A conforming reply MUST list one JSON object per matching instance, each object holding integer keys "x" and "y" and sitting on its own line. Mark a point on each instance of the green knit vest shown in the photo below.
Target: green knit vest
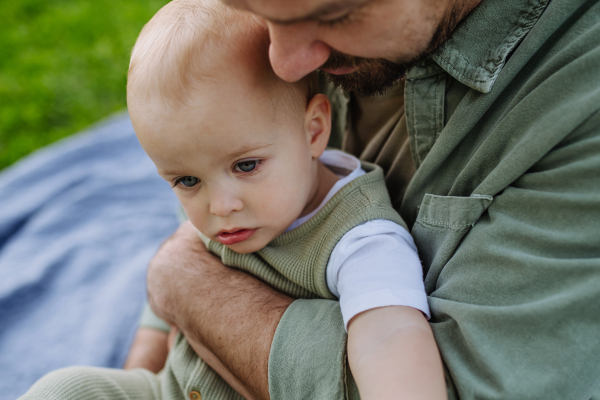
{"x": 293, "y": 263}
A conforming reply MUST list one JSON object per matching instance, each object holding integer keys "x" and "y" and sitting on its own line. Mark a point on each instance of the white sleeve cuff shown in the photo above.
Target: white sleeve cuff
{"x": 383, "y": 298}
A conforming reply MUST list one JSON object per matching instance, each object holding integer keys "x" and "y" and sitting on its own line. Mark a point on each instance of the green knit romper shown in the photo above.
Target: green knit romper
{"x": 293, "y": 263}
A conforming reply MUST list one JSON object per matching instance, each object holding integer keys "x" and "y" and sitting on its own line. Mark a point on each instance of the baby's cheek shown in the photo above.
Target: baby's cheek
{"x": 197, "y": 219}
{"x": 283, "y": 206}
{"x": 194, "y": 211}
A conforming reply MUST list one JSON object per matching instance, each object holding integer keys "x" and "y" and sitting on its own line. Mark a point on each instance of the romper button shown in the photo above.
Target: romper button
{"x": 195, "y": 395}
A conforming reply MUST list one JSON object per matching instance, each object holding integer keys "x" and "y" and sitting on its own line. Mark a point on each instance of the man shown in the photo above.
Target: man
{"x": 491, "y": 146}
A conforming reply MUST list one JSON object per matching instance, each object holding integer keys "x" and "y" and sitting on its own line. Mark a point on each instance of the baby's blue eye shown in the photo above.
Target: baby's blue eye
{"x": 188, "y": 181}
{"x": 246, "y": 166}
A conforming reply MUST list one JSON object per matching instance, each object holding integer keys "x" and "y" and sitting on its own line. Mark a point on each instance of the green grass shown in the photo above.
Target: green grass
{"x": 63, "y": 66}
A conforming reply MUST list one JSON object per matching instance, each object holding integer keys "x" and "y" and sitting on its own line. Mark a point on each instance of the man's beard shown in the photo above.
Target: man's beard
{"x": 373, "y": 76}
{"x": 376, "y": 75}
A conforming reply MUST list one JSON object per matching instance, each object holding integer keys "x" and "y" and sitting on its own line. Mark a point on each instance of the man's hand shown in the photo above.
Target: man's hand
{"x": 219, "y": 309}
{"x": 183, "y": 251}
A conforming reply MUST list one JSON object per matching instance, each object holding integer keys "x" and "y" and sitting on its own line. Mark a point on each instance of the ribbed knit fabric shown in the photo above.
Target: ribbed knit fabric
{"x": 185, "y": 372}
{"x": 91, "y": 383}
{"x": 294, "y": 263}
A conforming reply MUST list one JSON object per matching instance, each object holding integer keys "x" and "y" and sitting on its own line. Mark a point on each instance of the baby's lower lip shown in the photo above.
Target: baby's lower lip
{"x": 235, "y": 237}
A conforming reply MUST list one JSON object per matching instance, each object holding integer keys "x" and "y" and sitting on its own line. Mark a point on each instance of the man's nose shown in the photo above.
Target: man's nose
{"x": 295, "y": 51}
{"x": 223, "y": 203}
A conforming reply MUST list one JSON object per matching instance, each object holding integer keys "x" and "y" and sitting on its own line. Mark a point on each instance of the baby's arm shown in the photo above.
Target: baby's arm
{"x": 393, "y": 355}
{"x": 151, "y": 343}
{"x": 149, "y": 350}
{"x": 376, "y": 273}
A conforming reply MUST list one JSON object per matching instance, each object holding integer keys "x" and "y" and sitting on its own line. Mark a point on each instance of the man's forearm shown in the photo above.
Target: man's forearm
{"x": 229, "y": 312}
{"x": 217, "y": 365}
{"x": 239, "y": 327}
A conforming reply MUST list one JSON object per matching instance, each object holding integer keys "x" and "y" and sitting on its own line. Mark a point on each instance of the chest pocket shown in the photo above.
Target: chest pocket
{"x": 441, "y": 224}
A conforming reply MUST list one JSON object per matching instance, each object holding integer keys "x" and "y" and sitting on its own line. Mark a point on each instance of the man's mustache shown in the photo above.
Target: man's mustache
{"x": 340, "y": 60}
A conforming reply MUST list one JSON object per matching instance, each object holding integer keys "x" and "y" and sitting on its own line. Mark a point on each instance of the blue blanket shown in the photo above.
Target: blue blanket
{"x": 79, "y": 222}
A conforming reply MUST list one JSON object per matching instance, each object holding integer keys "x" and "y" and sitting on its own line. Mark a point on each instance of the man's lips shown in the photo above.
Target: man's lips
{"x": 233, "y": 236}
{"x": 339, "y": 71}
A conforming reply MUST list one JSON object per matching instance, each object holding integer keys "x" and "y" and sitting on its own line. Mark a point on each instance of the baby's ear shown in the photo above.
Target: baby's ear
{"x": 317, "y": 123}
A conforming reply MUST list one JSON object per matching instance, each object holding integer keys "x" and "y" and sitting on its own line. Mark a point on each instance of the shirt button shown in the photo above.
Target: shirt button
{"x": 195, "y": 395}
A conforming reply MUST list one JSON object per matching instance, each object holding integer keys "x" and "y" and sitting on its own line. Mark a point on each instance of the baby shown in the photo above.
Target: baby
{"x": 245, "y": 153}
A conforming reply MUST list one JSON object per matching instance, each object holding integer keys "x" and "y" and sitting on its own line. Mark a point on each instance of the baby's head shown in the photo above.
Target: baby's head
{"x": 238, "y": 144}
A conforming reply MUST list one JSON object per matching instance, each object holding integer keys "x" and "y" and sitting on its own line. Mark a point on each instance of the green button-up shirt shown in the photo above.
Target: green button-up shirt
{"x": 503, "y": 126}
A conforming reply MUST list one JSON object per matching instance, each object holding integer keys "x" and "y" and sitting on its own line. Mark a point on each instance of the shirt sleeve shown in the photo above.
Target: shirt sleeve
{"x": 376, "y": 265}
{"x": 308, "y": 354}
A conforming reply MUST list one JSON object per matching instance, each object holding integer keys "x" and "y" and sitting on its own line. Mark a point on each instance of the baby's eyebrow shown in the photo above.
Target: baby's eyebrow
{"x": 248, "y": 148}
{"x": 165, "y": 173}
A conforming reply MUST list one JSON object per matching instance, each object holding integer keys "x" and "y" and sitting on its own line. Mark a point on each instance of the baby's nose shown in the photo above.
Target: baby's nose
{"x": 223, "y": 204}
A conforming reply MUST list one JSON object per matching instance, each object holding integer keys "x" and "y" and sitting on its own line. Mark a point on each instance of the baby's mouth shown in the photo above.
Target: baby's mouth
{"x": 233, "y": 236}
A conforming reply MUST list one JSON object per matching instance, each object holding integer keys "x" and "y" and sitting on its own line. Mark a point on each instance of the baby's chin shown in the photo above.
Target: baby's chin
{"x": 250, "y": 245}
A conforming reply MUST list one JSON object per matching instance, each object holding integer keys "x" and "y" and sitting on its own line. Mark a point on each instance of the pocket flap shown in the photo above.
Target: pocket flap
{"x": 452, "y": 212}
{"x": 440, "y": 226}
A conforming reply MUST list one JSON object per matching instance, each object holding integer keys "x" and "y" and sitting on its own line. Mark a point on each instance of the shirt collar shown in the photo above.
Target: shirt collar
{"x": 344, "y": 165}
{"x": 479, "y": 47}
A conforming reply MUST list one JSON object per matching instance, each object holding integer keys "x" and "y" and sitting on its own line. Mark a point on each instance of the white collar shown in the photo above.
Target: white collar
{"x": 338, "y": 161}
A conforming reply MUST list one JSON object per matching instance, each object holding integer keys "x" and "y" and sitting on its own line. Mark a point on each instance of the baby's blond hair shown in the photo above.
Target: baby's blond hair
{"x": 184, "y": 42}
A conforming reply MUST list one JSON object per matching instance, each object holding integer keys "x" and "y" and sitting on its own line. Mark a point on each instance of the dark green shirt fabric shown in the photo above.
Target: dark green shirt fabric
{"x": 503, "y": 201}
